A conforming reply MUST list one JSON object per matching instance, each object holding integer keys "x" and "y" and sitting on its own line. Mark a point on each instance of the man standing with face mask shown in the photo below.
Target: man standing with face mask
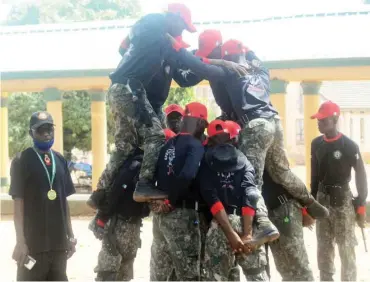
{"x": 40, "y": 185}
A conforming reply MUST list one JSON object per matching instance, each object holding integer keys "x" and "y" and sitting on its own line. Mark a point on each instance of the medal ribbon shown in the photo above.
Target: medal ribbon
{"x": 51, "y": 180}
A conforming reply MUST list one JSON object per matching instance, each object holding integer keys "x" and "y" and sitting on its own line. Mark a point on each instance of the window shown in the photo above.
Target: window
{"x": 299, "y": 129}
{"x": 300, "y": 103}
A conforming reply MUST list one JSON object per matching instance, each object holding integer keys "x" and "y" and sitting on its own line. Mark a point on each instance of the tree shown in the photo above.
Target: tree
{"x": 21, "y": 107}
{"x": 180, "y": 96}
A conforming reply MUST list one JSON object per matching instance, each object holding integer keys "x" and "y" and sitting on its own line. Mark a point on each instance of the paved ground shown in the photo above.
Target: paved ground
{"x": 80, "y": 266}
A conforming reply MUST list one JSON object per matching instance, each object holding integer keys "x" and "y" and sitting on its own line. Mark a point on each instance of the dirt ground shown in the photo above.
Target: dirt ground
{"x": 81, "y": 265}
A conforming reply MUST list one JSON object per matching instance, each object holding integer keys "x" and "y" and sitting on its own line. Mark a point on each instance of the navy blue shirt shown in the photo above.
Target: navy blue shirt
{"x": 148, "y": 50}
{"x": 178, "y": 165}
{"x": 231, "y": 188}
{"x": 248, "y": 95}
{"x": 45, "y": 222}
{"x": 157, "y": 89}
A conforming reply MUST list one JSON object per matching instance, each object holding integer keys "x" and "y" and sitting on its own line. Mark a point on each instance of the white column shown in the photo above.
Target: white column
{"x": 345, "y": 127}
{"x": 356, "y": 129}
{"x": 367, "y": 133}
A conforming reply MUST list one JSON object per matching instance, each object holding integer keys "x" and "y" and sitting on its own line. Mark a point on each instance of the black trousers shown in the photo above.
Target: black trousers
{"x": 50, "y": 266}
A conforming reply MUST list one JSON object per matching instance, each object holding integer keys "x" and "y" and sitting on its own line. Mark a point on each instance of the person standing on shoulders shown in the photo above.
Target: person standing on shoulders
{"x": 333, "y": 155}
{"x": 40, "y": 185}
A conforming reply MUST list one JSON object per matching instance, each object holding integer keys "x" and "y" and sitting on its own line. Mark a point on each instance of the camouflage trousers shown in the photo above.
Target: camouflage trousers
{"x": 131, "y": 132}
{"x": 176, "y": 246}
{"x": 262, "y": 141}
{"x": 222, "y": 265}
{"x": 289, "y": 251}
{"x": 338, "y": 228}
{"x": 119, "y": 267}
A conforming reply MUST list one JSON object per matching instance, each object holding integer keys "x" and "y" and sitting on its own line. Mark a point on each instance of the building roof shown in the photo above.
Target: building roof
{"x": 347, "y": 94}
{"x": 93, "y": 46}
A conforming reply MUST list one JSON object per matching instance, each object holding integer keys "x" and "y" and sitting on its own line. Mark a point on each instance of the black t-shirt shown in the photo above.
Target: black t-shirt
{"x": 45, "y": 223}
{"x": 332, "y": 162}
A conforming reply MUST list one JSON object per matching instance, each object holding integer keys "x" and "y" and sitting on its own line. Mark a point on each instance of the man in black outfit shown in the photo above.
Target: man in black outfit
{"x": 40, "y": 185}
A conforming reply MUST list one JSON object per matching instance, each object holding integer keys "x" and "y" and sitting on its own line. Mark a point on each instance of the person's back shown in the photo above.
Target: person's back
{"x": 121, "y": 236}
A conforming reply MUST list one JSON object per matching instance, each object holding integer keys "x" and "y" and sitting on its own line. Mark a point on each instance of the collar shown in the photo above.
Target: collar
{"x": 329, "y": 140}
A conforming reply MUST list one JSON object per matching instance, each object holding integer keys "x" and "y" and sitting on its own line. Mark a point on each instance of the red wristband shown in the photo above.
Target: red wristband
{"x": 248, "y": 211}
{"x": 100, "y": 223}
{"x": 167, "y": 202}
{"x": 205, "y": 60}
{"x": 216, "y": 208}
{"x": 361, "y": 210}
{"x": 304, "y": 211}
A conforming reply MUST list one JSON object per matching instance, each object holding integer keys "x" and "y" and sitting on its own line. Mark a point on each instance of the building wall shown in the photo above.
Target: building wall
{"x": 352, "y": 122}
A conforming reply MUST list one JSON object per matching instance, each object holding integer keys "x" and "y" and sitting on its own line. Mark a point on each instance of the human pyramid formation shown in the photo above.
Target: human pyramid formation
{"x": 204, "y": 191}
{"x": 220, "y": 191}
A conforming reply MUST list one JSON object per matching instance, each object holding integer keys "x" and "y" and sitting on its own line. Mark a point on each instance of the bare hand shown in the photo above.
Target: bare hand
{"x": 361, "y": 220}
{"x": 236, "y": 243}
{"x": 308, "y": 221}
{"x": 248, "y": 248}
{"x": 240, "y": 69}
{"x": 159, "y": 206}
{"x": 20, "y": 253}
{"x": 72, "y": 242}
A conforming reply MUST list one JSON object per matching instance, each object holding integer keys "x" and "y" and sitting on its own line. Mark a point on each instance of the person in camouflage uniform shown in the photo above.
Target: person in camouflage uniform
{"x": 233, "y": 203}
{"x": 118, "y": 223}
{"x": 333, "y": 155}
{"x": 289, "y": 251}
{"x": 176, "y": 247}
{"x": 137, "y": 114}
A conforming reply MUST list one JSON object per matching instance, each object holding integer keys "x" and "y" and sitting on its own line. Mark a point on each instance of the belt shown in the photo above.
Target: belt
{"x": 326, "y": 188}
{"x": 186, "y": 204}
{"x": 279, "y": 201}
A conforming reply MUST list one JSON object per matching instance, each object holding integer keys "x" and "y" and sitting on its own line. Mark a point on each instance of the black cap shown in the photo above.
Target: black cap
{"x": 40, "y": 118}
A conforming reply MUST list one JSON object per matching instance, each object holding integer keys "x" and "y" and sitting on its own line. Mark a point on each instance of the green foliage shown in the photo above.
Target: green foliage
{"x": 20, "y": 108}
{"x": 180, "y": 96}
{"x": 60, "y": 11}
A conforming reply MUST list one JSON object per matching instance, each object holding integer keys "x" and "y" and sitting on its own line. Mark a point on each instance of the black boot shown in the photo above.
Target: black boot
{"x": 145, "y": 192}
{"x": 264, "y": 230}
{"x": 316, "y": 210}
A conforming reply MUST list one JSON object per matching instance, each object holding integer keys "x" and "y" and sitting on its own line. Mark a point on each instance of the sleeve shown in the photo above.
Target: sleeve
{"x": 199, "y": 67}
{"x": 186, "y": 78}
{"x": 360, "y": 177}
{"x": 69, "y": 188}
{"x": 251, "y": 194}
{"x": 208, "y": 191}
{"x": 17, "y": 178}
{"x": 314, "y": 171}
{"x": 188, "y": 173}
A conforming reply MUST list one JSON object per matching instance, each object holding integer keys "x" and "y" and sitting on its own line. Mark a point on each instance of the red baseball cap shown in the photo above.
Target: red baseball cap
{"x": 197, "y": 110}
{"x": 184, "y": 13}
{"x": 233, "y": 47}
{"x": 168, "y": 133}
{"x": 233, "y": 128}
{"x": 208, "y": 40}
{"x": 217, "y": 126}
{"x": 173, "y": 108}
{"x": 327, "y": 109}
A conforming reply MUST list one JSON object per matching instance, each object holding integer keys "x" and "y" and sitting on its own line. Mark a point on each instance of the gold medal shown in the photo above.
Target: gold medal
{"x": 52, "y": 195}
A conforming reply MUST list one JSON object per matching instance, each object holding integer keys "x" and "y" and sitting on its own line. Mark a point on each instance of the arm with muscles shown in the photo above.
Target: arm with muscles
{"x": 209, "y": 194}
{"x": 17, "y": 192}
{"x": 69, "y": 190}
{"x": 194, "y": 156}
{"x": 314, "y": 171}
{"x": 250, "y": 197}
{"x": 361, "y": 185}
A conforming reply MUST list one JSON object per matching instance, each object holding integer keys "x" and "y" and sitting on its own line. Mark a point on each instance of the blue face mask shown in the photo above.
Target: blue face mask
{"x": 43, "y": 145}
